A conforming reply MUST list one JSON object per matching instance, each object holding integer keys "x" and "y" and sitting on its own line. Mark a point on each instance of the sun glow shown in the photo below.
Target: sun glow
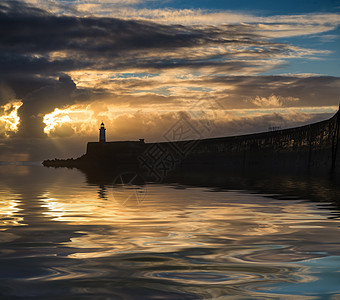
{"x": 56, "y": 118}
{"x": 75, "y": 119}
{"x": 10, "y": 119}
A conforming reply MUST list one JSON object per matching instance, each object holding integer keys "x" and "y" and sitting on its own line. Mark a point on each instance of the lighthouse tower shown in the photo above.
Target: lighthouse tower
{"x": 102, "y": 137}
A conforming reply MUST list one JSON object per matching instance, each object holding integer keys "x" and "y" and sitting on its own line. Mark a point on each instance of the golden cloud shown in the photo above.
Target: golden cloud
{"x": 9, "y": 119}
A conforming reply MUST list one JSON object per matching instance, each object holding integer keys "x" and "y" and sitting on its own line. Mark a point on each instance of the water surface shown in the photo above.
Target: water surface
{"x": 63, "y": 238}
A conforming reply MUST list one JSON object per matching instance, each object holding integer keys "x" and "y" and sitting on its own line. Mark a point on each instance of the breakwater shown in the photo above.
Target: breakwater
{"x": 309, "y": 148}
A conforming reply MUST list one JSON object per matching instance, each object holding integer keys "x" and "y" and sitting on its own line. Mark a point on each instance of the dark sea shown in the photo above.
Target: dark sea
{"x": 65, "y": 237}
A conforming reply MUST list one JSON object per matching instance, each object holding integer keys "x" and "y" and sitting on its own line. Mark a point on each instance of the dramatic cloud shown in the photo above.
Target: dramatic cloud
{"x": 271, "y": 26}
{"x": 43, "y": 101}
{"x": 68, "y": 65}
{"x": 34, "y": 42}
{"x": 9, "y": 119}
{"x": 164, "y": 92}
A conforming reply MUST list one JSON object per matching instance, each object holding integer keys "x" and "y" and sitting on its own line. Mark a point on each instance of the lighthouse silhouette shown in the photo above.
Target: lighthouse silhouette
{"x": 102, "y": 138}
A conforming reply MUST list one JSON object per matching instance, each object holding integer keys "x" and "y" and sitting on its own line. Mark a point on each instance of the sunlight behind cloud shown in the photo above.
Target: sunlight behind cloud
{"x": 69, "y": 121}
{"x": 9, "y": 120}
{"x": 55, "y": 118}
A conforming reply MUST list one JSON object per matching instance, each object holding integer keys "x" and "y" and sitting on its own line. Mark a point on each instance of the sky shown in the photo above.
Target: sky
{"x": 144, "y": 67}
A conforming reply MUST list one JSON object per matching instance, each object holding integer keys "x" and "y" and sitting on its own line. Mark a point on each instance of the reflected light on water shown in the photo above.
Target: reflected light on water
{"x": 165, "y": 221}
{"x": 9, "y": 209}
{"x": 55, "y": 209}
{"x": 61, "y": 236}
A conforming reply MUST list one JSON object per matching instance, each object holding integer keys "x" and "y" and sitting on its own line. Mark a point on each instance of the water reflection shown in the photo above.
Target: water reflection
{"x": 102, "y": 192}
{"x": 9, "y": 209}
{"x": 62, "y": 237}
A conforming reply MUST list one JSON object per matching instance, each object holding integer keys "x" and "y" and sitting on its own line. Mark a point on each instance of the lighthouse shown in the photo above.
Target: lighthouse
{"x": 102, "y": 138}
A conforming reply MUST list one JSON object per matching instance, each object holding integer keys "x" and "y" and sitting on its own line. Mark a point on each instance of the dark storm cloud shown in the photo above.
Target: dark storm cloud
{"x": 19, "y": 64}
{"x": 20, "y": 85}
{"x": 43, "y": 101}
{"x": 28, "y": 37}
{"x": 42, "y": 32}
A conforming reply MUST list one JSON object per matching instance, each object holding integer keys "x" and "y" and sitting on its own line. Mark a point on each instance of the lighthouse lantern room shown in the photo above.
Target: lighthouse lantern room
{"x": 102, "y": 130}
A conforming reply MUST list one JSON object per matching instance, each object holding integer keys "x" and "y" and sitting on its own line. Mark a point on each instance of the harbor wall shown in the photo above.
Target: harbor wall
{"x": 311, "y": 147}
